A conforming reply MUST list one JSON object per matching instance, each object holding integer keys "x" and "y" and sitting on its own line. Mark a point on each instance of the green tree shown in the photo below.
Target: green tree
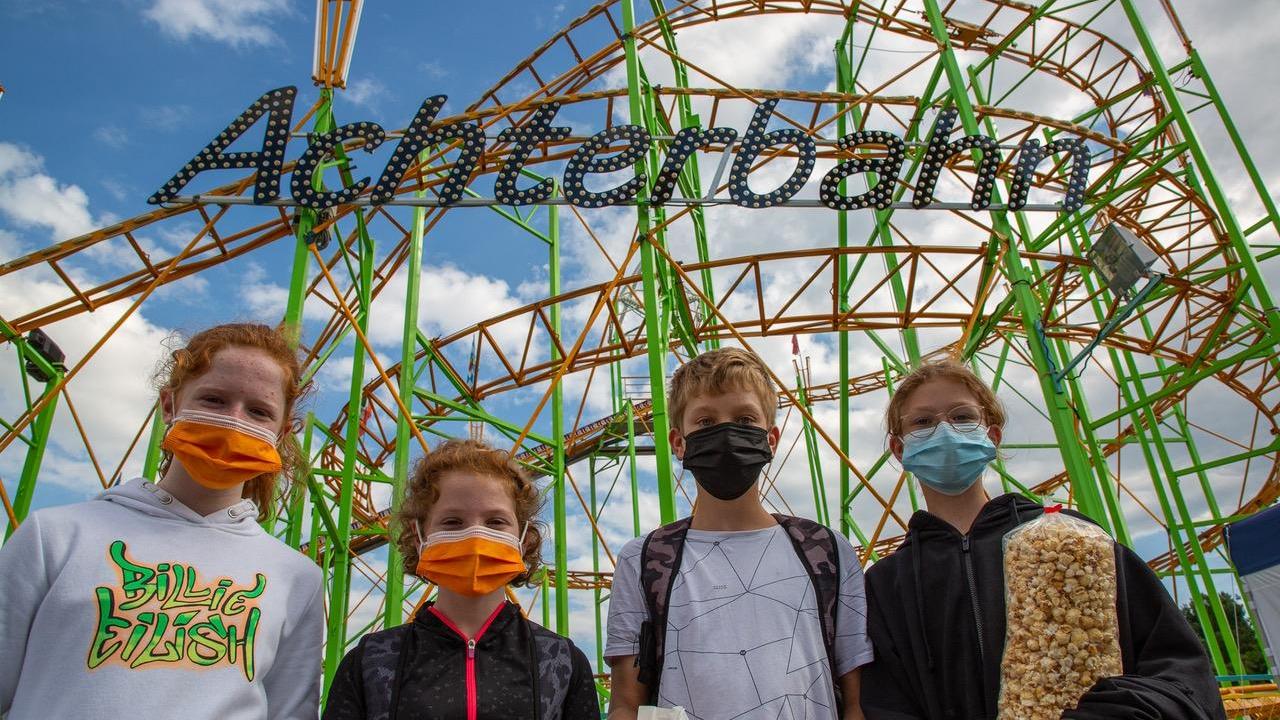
{"x": 1240, "y": 627}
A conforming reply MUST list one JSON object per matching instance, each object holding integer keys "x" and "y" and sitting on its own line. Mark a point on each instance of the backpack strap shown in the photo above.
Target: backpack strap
{"x": 659, "y": 566}
{"x": 815, "y": 545}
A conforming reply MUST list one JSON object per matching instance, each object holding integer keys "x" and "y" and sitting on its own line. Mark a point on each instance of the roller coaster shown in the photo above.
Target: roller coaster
{"x": 1152, "y": 410}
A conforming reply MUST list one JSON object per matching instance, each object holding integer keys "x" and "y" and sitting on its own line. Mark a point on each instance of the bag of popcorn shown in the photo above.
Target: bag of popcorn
{"x": 1060, "y": 615}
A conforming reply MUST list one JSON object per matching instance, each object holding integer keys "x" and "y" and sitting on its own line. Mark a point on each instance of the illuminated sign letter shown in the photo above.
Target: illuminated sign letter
{"x": 533, "y": 132}
{"x": 753, "y": 144}
{"x": 584, "y": 161}
{"x": 880, "y": 195}
{"x": 278, "y": 104}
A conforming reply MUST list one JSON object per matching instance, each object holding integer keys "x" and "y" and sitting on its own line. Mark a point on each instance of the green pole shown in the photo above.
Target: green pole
{"x": 656, "y": 351}
{"x": 1056, "y": 404}
{"x": 546, "y": 602}
{"x": 811, "y": 450}
{"x": 393, "y": 610}
{"x": 151, "y": 463}
{"x": 631, "y": 468}
{"x": 306, "y": 221}
{"x": 690, "y": 181}
{"x": 35, "y": 455}
{"x": 297, "y": 503}
{"x": 339, "y": 547}
{"x": 843, "y": 83}
{"x": 595, "y": 567}
{"x": 557, "y": 434}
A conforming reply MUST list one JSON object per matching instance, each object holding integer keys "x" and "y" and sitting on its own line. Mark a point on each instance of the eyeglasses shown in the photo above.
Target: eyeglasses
{"x": 964, "y": 418}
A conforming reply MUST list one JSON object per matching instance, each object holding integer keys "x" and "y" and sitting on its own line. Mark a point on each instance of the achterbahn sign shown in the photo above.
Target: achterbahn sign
{"x": 610, "y": 151}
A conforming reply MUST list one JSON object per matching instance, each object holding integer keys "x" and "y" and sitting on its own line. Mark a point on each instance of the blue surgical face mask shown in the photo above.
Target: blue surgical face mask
{"x": 949, "y": 461}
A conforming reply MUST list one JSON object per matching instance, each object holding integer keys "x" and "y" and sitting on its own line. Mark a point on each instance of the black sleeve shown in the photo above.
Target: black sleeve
{"x": 1167, "y": 674}
{"x": 582, "y": 702}
{"x": 883, "y": 691}
{"x": 346, "y": 693}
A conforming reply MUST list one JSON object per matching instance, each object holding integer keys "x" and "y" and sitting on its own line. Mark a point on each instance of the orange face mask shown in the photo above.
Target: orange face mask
{"x": 473, "y": 561}
{"x": 219, "y": 451}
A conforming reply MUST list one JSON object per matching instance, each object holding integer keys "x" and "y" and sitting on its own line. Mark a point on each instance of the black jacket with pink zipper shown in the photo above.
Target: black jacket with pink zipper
{"x": 428, "y": 670}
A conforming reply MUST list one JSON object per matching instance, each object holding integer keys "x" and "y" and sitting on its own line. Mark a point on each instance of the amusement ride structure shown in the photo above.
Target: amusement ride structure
{"x": 1134, "y": 338}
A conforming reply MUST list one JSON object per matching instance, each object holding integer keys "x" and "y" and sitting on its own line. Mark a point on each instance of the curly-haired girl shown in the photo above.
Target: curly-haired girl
{"x": 468, "y": 524}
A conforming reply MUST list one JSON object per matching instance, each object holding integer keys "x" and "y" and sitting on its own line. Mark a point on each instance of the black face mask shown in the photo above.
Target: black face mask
{"x": 726, "y": 459}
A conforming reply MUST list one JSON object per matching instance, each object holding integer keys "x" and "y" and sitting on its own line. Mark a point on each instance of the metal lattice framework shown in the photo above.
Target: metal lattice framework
{"x": 1169, "y": 428}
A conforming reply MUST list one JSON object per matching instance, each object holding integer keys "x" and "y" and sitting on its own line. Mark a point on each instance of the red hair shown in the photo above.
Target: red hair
{"x": 194, "y": 359}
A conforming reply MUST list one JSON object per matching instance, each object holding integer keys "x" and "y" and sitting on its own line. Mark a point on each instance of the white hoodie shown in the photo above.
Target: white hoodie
{"x": 132, "y": 605}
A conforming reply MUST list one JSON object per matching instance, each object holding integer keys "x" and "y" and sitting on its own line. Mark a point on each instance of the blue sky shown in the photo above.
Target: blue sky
{"x": 105, "y": 100}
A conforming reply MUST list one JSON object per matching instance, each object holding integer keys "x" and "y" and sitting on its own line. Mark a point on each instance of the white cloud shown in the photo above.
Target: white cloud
{"x": 746, "y": 53}
{"x": 367, "y": 92}
{"x": 112, "y": 136}
{"x": 10, "y": 245}
{"x": 264, "y": 299}
{"x": 32, "y": 199}
{"x": 117, "y": 189}
{"x": 238, "y": 23}
{"x": 433, "y": 69}
{"x": 165, "y": 118}
{"x": 450, "y": 299}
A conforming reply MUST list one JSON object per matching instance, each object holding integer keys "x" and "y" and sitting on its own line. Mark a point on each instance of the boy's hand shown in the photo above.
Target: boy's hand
{"x": 851, "y": 688}
{"x": 626, "y": 692}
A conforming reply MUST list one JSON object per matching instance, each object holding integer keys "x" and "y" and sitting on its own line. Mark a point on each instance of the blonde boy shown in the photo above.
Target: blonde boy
{"x": 735, "y": 613}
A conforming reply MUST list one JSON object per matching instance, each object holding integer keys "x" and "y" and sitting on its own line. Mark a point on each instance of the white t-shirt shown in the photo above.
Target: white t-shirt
{"x": 743, "y": 637}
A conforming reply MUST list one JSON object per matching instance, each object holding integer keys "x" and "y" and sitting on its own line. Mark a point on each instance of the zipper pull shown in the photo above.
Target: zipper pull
{"x": 964, "y": 543}
{"x": 471, "y": 649}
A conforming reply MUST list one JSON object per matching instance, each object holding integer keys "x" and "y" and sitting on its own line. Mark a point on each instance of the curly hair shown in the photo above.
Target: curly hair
{"x": 195, "y": 358}
{"x": 716, "y": 372}
{"x": 992, "y": 411}
{"x": 423, "y": 492}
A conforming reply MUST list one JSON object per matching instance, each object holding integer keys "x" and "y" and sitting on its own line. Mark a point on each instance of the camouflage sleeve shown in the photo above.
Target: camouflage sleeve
{"x": 346, "y": 694}
{"x": 853, "y": 647}
{"x": 626, "y": 604}
{"x": 582, "y": 702}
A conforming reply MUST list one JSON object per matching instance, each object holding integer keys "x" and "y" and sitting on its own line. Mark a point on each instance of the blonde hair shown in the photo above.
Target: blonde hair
{"x": 423, "y": 493}
{"x": 716, "y": 372}
{"x": 992, "y": 410}
{"x": 196, "y": 357}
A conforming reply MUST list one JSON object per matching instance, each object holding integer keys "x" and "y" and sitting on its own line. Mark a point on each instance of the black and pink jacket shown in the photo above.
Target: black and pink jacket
{"x": 513, "y": 669}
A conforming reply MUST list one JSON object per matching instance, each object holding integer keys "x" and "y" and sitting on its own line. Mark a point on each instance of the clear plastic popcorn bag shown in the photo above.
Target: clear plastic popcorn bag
{"x": 1060, "y": 615}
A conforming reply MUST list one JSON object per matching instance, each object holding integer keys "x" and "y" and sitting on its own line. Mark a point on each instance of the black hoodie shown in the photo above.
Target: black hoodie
{"x": 936, "y": 618}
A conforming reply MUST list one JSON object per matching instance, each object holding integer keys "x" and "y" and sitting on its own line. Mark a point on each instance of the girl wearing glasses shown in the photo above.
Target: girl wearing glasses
{"x": 936, "y": 605}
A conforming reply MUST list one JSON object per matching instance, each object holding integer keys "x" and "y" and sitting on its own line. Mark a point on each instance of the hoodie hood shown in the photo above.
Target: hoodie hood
{"x": 143, "y": 496}
{"x": 999, "y": 515}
